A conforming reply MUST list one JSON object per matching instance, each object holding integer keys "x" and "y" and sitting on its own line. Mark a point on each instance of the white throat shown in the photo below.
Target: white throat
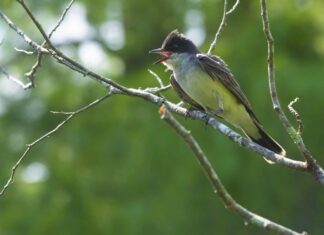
{"x": 179, "y": 63}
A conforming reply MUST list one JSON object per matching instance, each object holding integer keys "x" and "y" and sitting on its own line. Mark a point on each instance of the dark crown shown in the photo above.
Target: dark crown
{"x": 177, "y": 42}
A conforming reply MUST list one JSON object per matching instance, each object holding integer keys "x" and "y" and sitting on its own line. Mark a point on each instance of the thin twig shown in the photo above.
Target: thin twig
{"x": 57, "y": 54}
{"x": 24, "y": 51}
{"x": 233, "y": 7}
{"x": 32, "y": 73}
{"x": 45, "y": 136}
{"x": 15, "y": 80}
{"x": 22, "y": 34}
{"x": 220, "y": 28}
{"x": 162, "y": 87}
{"x": 84, "y": 108}
{"x": 222, "y": 24}
{"x": 216, "y": 183}
{"x": 156, "y": 90}
{"x": 38, "y": 25}
{"x": 67, "y": 8}
{"x": 158, "y": 79}
{"x": 311, "y": 162}
{"x": 296, "y": 115}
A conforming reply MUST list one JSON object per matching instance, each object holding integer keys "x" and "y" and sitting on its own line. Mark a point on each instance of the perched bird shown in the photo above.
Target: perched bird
{"x": 205, "y": 82}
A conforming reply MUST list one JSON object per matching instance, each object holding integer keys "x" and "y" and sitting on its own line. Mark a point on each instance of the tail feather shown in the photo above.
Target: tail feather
{"x": 266, "y": 141}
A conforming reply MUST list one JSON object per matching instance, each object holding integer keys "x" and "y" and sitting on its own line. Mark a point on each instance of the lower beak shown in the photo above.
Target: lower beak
{"x": 166, "y": 54}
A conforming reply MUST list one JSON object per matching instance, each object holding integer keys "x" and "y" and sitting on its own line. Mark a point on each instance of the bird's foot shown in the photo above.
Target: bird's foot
{"x": 217, "y": 112}
{"x": 220, "y": 108}
{"x": 190, "y": 109}
{"x": 205, "y": 118}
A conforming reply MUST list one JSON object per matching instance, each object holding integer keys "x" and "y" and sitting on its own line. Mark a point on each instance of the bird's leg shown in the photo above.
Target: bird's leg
{"x": 190, "y": 109}
{"x": 220, "y": 108}
{"x": 181, "y": 104}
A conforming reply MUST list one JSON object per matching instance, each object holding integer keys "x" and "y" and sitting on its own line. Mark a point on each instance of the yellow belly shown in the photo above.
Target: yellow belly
{"x": 204, "y": 90}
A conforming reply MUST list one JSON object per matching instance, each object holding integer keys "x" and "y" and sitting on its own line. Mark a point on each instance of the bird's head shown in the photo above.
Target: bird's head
{"x": 173, "y": 46}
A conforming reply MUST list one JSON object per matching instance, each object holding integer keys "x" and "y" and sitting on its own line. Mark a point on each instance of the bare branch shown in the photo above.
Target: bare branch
{"x": 222, "y": 24}
{"x": 45, "y": 136}
{"x": 15, "y": 80}
{"x": 31, "y": 74}
{"x": 22, "y": 34}
{"x": 157, "y": 90}
{"x": 62, "y": 59}
{"x": 312, "y": 165}
{"x": 233, "y": 7}
{"x": 216, "y": 183}
{"x": 242, "y": 141}
{"x": 158, "y": 79}
{"x": 84, "y": 108}
{"x": 38, "y": 25}
{"x": 24, "y": 51}
{"x": 296, "y": 115}
{"x": 61, "y": 18}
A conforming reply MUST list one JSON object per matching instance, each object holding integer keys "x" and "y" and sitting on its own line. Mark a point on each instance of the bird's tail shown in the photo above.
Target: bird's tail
{"x": 265, "y": 140}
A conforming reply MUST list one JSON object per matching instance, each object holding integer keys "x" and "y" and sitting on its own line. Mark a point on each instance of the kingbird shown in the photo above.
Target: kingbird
{"x": 205, "y": 82}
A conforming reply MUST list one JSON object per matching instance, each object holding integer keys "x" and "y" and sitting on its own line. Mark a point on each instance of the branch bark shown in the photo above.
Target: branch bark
{"x": 217, "y": 185}
{"x": 32, "y": 73}
{"x": 222, "y": 24}
{"x": 311, "y": 162}
{"x": 47, "y": 135}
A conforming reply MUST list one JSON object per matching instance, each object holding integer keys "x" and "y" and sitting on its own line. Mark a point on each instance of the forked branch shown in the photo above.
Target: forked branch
{"x": 217, "y": 185}
{"x": 312, "y": 164}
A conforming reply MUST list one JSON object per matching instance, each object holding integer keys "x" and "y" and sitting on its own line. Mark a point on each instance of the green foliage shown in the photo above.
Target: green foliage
{"x": 117, "y": 168}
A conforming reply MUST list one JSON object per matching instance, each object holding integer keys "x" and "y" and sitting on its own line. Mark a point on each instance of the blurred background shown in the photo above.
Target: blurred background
{"x": 117, "y": 168}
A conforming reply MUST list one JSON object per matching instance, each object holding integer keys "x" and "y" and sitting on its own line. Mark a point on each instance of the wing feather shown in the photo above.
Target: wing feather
{"x": 182, "y": 94}
{"x": 218, "y": 70}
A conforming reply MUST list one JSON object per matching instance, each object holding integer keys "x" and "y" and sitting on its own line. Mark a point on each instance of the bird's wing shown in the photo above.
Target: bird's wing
{"x": 182, "y": 94}
{"x": 217, "y": 69}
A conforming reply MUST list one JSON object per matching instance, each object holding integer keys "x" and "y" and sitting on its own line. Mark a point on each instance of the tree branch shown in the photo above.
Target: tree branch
{"x": 296, "y": 115}
{"x": 46, "y": 135}
{"x": 32, "y": 73}
{"x": 312, "y": 165}
{"x": 222, "y": 24}
{"x": 216, "y": 183}
{"x": 22, "y": 34}
{"x": 15, "y": 80}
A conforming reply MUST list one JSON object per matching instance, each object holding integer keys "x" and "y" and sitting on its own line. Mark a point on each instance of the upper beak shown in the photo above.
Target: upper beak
{"x": 161, "y": 51}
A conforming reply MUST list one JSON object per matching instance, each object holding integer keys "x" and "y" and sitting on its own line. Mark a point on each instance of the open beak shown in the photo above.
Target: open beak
{"x": 166, "y": 54}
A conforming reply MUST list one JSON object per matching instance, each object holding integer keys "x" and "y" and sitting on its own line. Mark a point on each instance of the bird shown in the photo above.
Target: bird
{"x": 205, "y": 82}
